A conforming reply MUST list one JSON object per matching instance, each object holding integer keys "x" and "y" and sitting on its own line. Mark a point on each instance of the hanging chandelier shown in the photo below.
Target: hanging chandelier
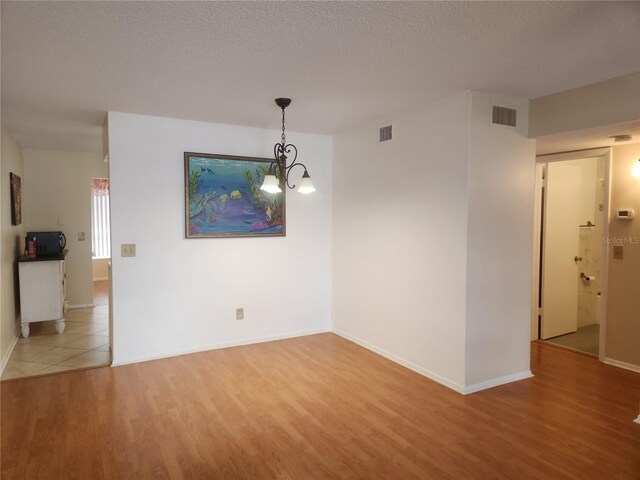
{"x": 278, "y": 175}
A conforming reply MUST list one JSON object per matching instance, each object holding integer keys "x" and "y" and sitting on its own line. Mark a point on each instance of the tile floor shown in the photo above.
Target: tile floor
{"x": 586, "y": 339}
{"x": 84, "y": 343}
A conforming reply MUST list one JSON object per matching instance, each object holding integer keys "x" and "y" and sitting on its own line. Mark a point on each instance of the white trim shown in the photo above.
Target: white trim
{"x": 537, "y": 230}
{"x": 7, "y": 355}
{"x": 574, "y": 155}
{"x": 405, "y": 363}
{"x": 100, "y": 279}
{"x": 394, "y": 358}
{"x": 604, "y": 257}
{"x": 619, "y": 364}
{"x": 606, "y": 154}
{"x": 216, "y": 346}
{"x": 494, "y": 382}
{"x": 86, "y": 305}
{"x": 637, "y": 420}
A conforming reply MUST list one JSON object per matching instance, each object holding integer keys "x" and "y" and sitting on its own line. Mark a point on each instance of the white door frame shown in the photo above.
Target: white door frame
{"x": 605, "y": 154}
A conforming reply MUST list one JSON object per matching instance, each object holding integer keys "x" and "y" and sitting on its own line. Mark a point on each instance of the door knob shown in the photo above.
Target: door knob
{"x": 577, "y": 259}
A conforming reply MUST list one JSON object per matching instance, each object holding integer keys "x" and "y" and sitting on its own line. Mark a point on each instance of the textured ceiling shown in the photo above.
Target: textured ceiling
{"x": 64, "y": 64}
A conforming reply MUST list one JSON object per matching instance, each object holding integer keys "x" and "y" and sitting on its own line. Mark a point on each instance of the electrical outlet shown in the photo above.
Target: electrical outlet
{"x": 128, "y": 250}
{"x": 239, "y": 313}
{"x": 81, "y": 236}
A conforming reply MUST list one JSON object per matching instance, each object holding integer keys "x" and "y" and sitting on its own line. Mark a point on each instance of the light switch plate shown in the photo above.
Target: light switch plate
{"x": 81, "y": 236}
{"x": 128, "y": 250}
{"x": 618, "y": 252}
{"x": 239, "y": 313}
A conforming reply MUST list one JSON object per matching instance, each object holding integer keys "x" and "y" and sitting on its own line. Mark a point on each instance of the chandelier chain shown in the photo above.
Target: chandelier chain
{"x": 282, "y": 153}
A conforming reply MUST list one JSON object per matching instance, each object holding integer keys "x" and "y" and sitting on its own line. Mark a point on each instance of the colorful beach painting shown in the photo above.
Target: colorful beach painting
{"x": 223, "y": 198}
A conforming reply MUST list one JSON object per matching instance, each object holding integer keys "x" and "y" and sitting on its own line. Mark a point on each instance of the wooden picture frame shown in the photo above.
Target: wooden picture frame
{"x": 223, "y": 198}
{"x": 16, "y": 199}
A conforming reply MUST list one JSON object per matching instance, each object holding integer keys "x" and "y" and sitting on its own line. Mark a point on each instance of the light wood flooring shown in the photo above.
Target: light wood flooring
{"x": 320, "y": 407}
{"x": 101, "y": 292}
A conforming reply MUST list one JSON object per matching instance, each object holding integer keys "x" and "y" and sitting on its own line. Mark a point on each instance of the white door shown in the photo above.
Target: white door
{"x": 560, "y": 270}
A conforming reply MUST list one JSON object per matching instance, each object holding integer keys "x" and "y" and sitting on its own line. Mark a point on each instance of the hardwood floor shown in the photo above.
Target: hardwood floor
{"x": 319, "y": 407}
{"x": 101, "y": 292}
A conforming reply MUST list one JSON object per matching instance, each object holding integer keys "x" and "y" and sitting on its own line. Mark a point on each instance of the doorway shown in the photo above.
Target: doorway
{"x": 572, "y": 219}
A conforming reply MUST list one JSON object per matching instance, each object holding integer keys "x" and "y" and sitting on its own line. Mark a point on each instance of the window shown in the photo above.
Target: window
{"x": 100, "y": 222}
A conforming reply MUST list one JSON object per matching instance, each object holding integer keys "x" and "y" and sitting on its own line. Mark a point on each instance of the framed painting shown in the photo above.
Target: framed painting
{"x": 223, "y": 198}
{"x": 16, "y": 199}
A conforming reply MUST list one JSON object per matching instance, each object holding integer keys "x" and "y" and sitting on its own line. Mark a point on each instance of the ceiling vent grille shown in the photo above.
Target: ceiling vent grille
{"x": 504, "y": 116}
{"x": 386, "y": 133}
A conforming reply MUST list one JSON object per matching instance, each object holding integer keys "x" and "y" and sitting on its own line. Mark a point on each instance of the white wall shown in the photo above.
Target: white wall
{"x": 622, "y": 346}
{"x": 612, "y": 101}
{"x": 433, "y": 241}
{"x": 57, "y": 197}
{"x": 500, "y": 242}
{"x": 400, "y": 238}
{"x": 180, "y": 295}
{"x": 12, "y": 244}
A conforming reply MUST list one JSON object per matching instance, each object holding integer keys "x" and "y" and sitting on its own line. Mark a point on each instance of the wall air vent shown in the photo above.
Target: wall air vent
{"x": 386, "y": 133}
{"x": 504, "y": 116}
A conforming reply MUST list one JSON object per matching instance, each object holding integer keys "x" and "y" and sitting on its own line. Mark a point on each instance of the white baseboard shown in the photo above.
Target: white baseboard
{"x": 100, "y": 279}
{"x": 626, "y": 366}
{"x": 394, "y": 358}
{"x": 405, "y": 363}
{"x": 8, "y": 353}
{"x": 86, "y": 305}
{"x": 215, "y": 346}
{"x": 494, "y": 382}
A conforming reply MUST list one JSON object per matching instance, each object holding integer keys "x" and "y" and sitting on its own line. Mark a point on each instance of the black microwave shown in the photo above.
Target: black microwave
{"x": 48, "y": 244}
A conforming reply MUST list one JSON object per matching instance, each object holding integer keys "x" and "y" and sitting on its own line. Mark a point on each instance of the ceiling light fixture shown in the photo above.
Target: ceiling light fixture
{"x": 278, "y": 175}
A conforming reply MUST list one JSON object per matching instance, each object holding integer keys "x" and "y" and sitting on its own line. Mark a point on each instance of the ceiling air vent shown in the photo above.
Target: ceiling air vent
{"x": 386, "y": 133}
{"x": 504, "y": 116}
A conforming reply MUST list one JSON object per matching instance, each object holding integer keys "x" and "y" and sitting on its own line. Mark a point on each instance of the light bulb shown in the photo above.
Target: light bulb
{"x": 270, "y": 184}
{"x": 305, "y": 184}
{"x": 635, "y": 171}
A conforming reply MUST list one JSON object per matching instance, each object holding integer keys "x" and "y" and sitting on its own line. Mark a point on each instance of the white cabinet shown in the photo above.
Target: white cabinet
{"x": 42, "y": 292}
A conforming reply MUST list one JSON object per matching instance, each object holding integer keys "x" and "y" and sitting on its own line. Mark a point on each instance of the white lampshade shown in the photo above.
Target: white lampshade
{"x": 305, "y": 184}
{"x": 270, "y": 184}
{"x": 635, "y": 171}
